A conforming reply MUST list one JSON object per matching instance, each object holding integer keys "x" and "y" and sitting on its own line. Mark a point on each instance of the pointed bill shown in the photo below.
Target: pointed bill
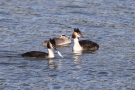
{"x": 59, "y": 53}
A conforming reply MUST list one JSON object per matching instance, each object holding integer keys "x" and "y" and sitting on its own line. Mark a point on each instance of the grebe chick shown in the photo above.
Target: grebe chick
{"x": 83, "y": 44}
{"x": 61, "y": 40}
{"x": 39, "y": 54}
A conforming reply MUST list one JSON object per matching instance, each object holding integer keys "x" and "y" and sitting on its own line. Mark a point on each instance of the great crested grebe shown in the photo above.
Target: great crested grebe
{"x": 61, "y": 40}
{"x": 83, "y": 44}
{"x": 39, "y": 54}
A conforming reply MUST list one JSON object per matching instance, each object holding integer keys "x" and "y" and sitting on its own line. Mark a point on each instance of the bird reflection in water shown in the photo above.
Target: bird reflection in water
{"x": 77, "y": 52}
{"x": 76, "y": 56}
{"x": 51, "y": 64}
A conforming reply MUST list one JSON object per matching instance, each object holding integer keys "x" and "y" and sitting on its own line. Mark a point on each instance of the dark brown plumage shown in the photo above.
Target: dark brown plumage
{"x": 88, "y": 45}
{"x": 37, "y": 54}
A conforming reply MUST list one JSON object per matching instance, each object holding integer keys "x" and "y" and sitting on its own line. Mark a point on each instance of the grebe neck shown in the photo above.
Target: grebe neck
{"x": 77, "y": 46}
{"x": 50, "y": 53}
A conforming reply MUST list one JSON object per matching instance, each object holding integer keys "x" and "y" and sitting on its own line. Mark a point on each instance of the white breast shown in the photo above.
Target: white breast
{"x": 77, "y": 46}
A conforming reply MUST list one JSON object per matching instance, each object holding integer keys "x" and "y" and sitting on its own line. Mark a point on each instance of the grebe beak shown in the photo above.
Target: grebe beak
{"x": 82, "y": 36}
{"x": 59, "y": 54}
{"x": 56, "y": 50}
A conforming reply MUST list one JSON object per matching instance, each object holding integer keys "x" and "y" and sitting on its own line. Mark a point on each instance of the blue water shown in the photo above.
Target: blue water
{"x": 25, "y": 24}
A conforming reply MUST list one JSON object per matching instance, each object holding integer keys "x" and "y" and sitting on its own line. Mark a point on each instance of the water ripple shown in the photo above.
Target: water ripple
{"x": 26, "y": 24}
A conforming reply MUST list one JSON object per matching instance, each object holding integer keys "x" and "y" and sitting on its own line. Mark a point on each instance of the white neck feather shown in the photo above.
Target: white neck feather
{"x": 77, "y": 46}
{"x": 50, "y": 53}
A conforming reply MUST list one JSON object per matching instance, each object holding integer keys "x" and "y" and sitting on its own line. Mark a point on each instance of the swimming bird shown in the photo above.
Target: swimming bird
{"x": 83, "y": 44}
{"x": 39, "y": 54}
{"x": 61, "y": 40}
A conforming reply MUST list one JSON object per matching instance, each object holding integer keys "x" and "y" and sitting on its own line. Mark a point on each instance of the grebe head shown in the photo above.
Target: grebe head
{"x": 77, "y": 33}
{"x": 51, "y": 45}
{"x": 64, "y": 37}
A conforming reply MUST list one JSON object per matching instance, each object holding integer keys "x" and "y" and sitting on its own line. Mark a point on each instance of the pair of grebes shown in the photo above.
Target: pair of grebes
{"x": 62, "y": 40}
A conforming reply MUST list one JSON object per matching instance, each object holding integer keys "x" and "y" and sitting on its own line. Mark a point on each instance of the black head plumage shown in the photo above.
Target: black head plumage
{"x": 77, "y": 30}
{"x": 52, "y": 41}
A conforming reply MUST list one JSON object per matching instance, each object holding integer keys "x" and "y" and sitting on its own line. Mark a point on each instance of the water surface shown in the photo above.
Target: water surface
{"x": 25, "y": 24}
